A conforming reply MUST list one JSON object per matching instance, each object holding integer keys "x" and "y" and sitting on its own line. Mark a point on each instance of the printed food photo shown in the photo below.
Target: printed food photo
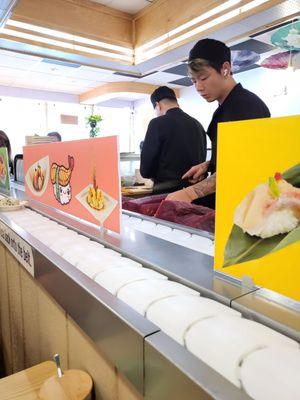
{"x": 267, "y": 219}
{"x": 37, "y": 176}
{"x": 96, "y": 201}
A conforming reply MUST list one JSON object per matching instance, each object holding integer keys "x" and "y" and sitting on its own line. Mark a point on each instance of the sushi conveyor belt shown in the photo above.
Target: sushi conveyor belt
{"x": 259, "y": 362}
{"x": 182, "y": 236}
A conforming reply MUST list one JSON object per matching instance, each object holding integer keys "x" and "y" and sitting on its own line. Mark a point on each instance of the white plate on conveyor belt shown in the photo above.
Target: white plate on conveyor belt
{"x": 46, "y": 235}
{"x": 114, "y": 279}
{"x": 50, "y": 237}
{"x": 140, "y": 295}
{"x": 41, "y": 228}
{"x": 272, "y": 374}
{"x": 65, "y": 243}
{"x": 112, "y": 253}
{"x": 23, "y": 215}
{"x": 77, "y": 253}
{"x": 223, "y": 342}
{"x": 29, "y": 225}
{"x": 185, "y": 310}
{"x": 92, "y": 266}
{"x": 96, "y": 245}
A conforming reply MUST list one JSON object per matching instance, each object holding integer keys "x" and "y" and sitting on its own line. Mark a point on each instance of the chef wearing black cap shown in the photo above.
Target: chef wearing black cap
{"x": 174, "y": 142}
{"x": 210, "y": 70}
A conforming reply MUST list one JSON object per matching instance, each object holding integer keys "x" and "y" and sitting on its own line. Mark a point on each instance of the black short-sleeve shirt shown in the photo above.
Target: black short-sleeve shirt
{"x": 240, "y": 104}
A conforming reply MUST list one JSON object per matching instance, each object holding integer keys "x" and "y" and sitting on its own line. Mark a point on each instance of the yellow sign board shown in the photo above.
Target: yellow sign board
{"x": 258, "y": 202}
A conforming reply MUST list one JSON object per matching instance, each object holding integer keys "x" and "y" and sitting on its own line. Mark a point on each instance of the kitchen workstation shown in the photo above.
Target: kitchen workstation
{"x": 150, "y": 242}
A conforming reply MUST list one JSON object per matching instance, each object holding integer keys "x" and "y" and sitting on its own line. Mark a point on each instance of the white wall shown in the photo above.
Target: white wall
{"x": 28, "y": 112}
{"x": 20, "y": 118}
{"x": 143, "y": 113}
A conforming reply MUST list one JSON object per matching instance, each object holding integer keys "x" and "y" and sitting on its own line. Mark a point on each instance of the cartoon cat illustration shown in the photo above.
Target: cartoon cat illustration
{"x": 60, "y": 178}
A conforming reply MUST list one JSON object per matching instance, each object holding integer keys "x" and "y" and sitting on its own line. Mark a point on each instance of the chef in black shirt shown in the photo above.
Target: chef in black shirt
{"x": 174, "y": 142}
{"x": 210, "y": 70}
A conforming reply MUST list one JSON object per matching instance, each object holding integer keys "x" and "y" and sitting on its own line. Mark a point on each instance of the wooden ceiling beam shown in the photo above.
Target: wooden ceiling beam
{"x": 165, "y": 15}
{"x": 94, "y": 96}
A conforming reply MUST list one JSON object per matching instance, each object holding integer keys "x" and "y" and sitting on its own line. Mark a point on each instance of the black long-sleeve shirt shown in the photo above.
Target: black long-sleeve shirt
{"x": 239, "y": 105}
{"x": 174, "y": 143}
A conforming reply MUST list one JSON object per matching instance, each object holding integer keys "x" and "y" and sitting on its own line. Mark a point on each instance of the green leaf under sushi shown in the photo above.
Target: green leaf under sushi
{"x": 242, "y": 247}
{"x": 292, "y": 175}
{"x": 289, "y": 238}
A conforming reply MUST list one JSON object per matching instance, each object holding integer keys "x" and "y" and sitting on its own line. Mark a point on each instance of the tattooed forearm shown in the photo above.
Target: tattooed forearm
{"x": 205, "y": 187}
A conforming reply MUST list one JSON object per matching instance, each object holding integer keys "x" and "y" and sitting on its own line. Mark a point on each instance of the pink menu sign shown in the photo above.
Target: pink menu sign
{"x": 80, "y": 177}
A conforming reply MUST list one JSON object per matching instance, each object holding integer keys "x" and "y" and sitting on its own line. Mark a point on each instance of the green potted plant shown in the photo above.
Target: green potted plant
{"x": 92, "y": 122}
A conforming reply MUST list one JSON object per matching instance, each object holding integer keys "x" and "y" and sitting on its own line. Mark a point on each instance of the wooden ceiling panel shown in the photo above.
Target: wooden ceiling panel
{"x": 79, "y": 17}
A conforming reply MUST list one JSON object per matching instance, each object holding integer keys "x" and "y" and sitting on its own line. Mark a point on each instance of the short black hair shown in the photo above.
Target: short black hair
{"x": 209, "y": 52}
{"x": 56, "y": 135}
{"x": 162, "y": 93}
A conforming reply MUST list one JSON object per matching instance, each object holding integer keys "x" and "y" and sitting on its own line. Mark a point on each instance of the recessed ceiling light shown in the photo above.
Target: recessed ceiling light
{"x": 65, "y": 45}
{"x": 68, "y": 36}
